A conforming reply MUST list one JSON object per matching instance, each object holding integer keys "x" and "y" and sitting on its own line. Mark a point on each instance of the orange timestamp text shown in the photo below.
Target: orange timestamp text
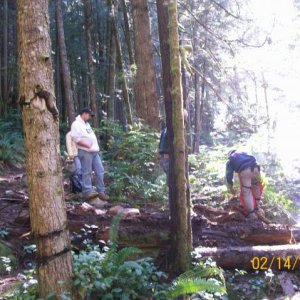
{"x": 263, "y": 263}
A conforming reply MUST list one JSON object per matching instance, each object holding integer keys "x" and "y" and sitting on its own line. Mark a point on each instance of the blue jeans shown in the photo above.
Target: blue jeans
{"x": 90, "y": 161}
{"x": 77, "y": 165}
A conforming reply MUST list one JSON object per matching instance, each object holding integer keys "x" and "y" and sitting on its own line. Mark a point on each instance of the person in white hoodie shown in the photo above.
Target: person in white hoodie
{"x": 88, "y": 153}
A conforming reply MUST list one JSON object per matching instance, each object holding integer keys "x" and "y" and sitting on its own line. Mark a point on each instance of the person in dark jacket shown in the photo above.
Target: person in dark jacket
{"x": 163, "y": 150}
{"x": 249, "y": 176}
{"x": 163, "y": 147}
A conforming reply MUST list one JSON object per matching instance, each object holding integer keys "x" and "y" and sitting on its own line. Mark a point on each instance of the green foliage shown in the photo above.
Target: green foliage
{"x": 27, "y": 289}
{"x": 279, "y": 207}
{"x": 30, "y": 249}
{"x": 133, "y": 168}
{"x": 112, "y": 275}
{"x": 204, "y": 281}
{"x": 3, "y": 232}
{"x": 207, "y": 171}
{"x": 7, "y": 259}
{"x": 11, "y": 139}
{"x": 258, "y": 285}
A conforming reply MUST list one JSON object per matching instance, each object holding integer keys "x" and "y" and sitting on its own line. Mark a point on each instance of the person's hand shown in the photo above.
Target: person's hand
{"x": 86, "y": 143}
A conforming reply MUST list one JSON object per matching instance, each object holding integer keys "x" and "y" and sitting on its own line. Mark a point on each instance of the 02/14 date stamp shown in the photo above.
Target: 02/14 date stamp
{"x": 263, "y": 263}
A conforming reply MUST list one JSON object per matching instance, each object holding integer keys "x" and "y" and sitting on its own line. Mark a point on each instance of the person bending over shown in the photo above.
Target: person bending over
{"x": 249, "y": 176}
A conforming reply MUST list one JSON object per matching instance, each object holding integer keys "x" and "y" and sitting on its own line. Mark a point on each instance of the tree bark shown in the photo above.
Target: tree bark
{"x": 66, "y": 77}
{"x": 145, "y": 90}
{"x": 112, "y": 61}
{"x": 1, "y": 96}
{"x": 200, "y": 114}
{"x": 91, "y": 75}
{"x": 122, "y": 78}
{"x": 163, "y": 21}
{"x": 57, "y": 78}
{"x": 5, "y": 56}
{"x": 41, "y": 131}
{"x": 182, "y": 236}
{"x": 127, "y": 32}
{"x": 171, "y": 71}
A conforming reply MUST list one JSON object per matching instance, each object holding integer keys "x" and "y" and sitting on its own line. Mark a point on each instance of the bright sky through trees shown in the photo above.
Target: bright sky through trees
{"x": 279, "y": 61}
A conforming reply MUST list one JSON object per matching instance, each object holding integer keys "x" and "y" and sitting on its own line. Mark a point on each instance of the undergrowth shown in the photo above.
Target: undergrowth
{"x": 106, "y": 272}
{"x": 133, "y": 168}
{"x": 11, "y": 140}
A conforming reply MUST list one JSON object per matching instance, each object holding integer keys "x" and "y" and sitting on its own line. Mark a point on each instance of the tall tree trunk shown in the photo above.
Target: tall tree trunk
{"x": 256, "y": 103}
{"x": 265, "y": 87}
{"x": 163, "y": 17}
{"x": 127, "y": 32}
{"x": 112, "y": 62}
{"x": 58, "y": 77}
{"x": 5, "y": 56}
{"x": 1, "y": 96}
{"x": 66, "y": 77}
{"x": 13, "y": 86}
{"x": 91, "y": 75}
{"x": 171, "y": 70}
{"x": 186, "y": 106}
{"x": 197, "y": 114}
{"x": 121, "y": 76}
{"x": 182, "y": 237}
{"x": 41, "y": 131}
{"x": 145, "y": 91}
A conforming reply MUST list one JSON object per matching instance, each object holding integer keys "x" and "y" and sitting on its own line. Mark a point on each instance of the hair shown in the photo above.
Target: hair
{"x": 231, "y": 152}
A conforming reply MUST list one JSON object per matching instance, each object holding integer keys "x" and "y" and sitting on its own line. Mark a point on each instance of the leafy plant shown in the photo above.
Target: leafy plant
{"x": 11, "y": 139}
{"x": 27, "y": 289}
{"x": 30, "y": 249}
{"x": 204, "y": 281}
{"x": 4, "y": 232}
{"x": 133, "y": 168}
{"x": 112, "y": 275}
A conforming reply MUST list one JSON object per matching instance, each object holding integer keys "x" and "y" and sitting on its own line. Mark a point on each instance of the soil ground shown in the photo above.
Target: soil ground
{"x": 147, "y": 230}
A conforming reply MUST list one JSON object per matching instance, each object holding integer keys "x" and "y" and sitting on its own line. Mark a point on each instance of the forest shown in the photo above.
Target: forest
{"x": 148, "y": 149}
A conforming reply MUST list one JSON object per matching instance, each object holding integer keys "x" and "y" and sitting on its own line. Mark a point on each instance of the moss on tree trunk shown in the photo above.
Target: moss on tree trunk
{"x": 47, "y": 207}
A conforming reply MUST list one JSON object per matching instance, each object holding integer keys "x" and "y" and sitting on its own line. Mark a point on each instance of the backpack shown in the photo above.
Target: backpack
{"x": 75, "y": 184}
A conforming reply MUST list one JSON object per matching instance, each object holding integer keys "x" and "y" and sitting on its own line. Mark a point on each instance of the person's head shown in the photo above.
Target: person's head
{"x": 231, "y": 152}
{"x": 86, "y": 113}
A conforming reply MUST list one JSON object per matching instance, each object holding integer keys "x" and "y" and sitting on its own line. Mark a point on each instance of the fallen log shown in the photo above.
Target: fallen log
{"x": 269, "y": 236}
{"x": 256, "y": 258}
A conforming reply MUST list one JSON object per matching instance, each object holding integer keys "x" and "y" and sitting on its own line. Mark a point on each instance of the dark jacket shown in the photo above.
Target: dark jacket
{"x": 238, "y": 162}
{"x": 163, "y": 147}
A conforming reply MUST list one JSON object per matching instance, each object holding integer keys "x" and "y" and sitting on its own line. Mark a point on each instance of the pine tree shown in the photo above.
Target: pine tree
{"x": 41, "y": 131}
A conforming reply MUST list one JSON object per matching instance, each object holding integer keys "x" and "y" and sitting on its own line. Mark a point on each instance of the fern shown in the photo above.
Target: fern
{"x": 204, "y": 277}
{"x": 184, "y": 286}
{"x": 203, "y": 271}
{"x": 126, "y": 253}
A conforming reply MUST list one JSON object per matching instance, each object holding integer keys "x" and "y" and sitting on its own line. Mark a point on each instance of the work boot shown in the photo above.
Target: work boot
{"x": 90, "y": 195}
{"x": 103, "y": 196}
